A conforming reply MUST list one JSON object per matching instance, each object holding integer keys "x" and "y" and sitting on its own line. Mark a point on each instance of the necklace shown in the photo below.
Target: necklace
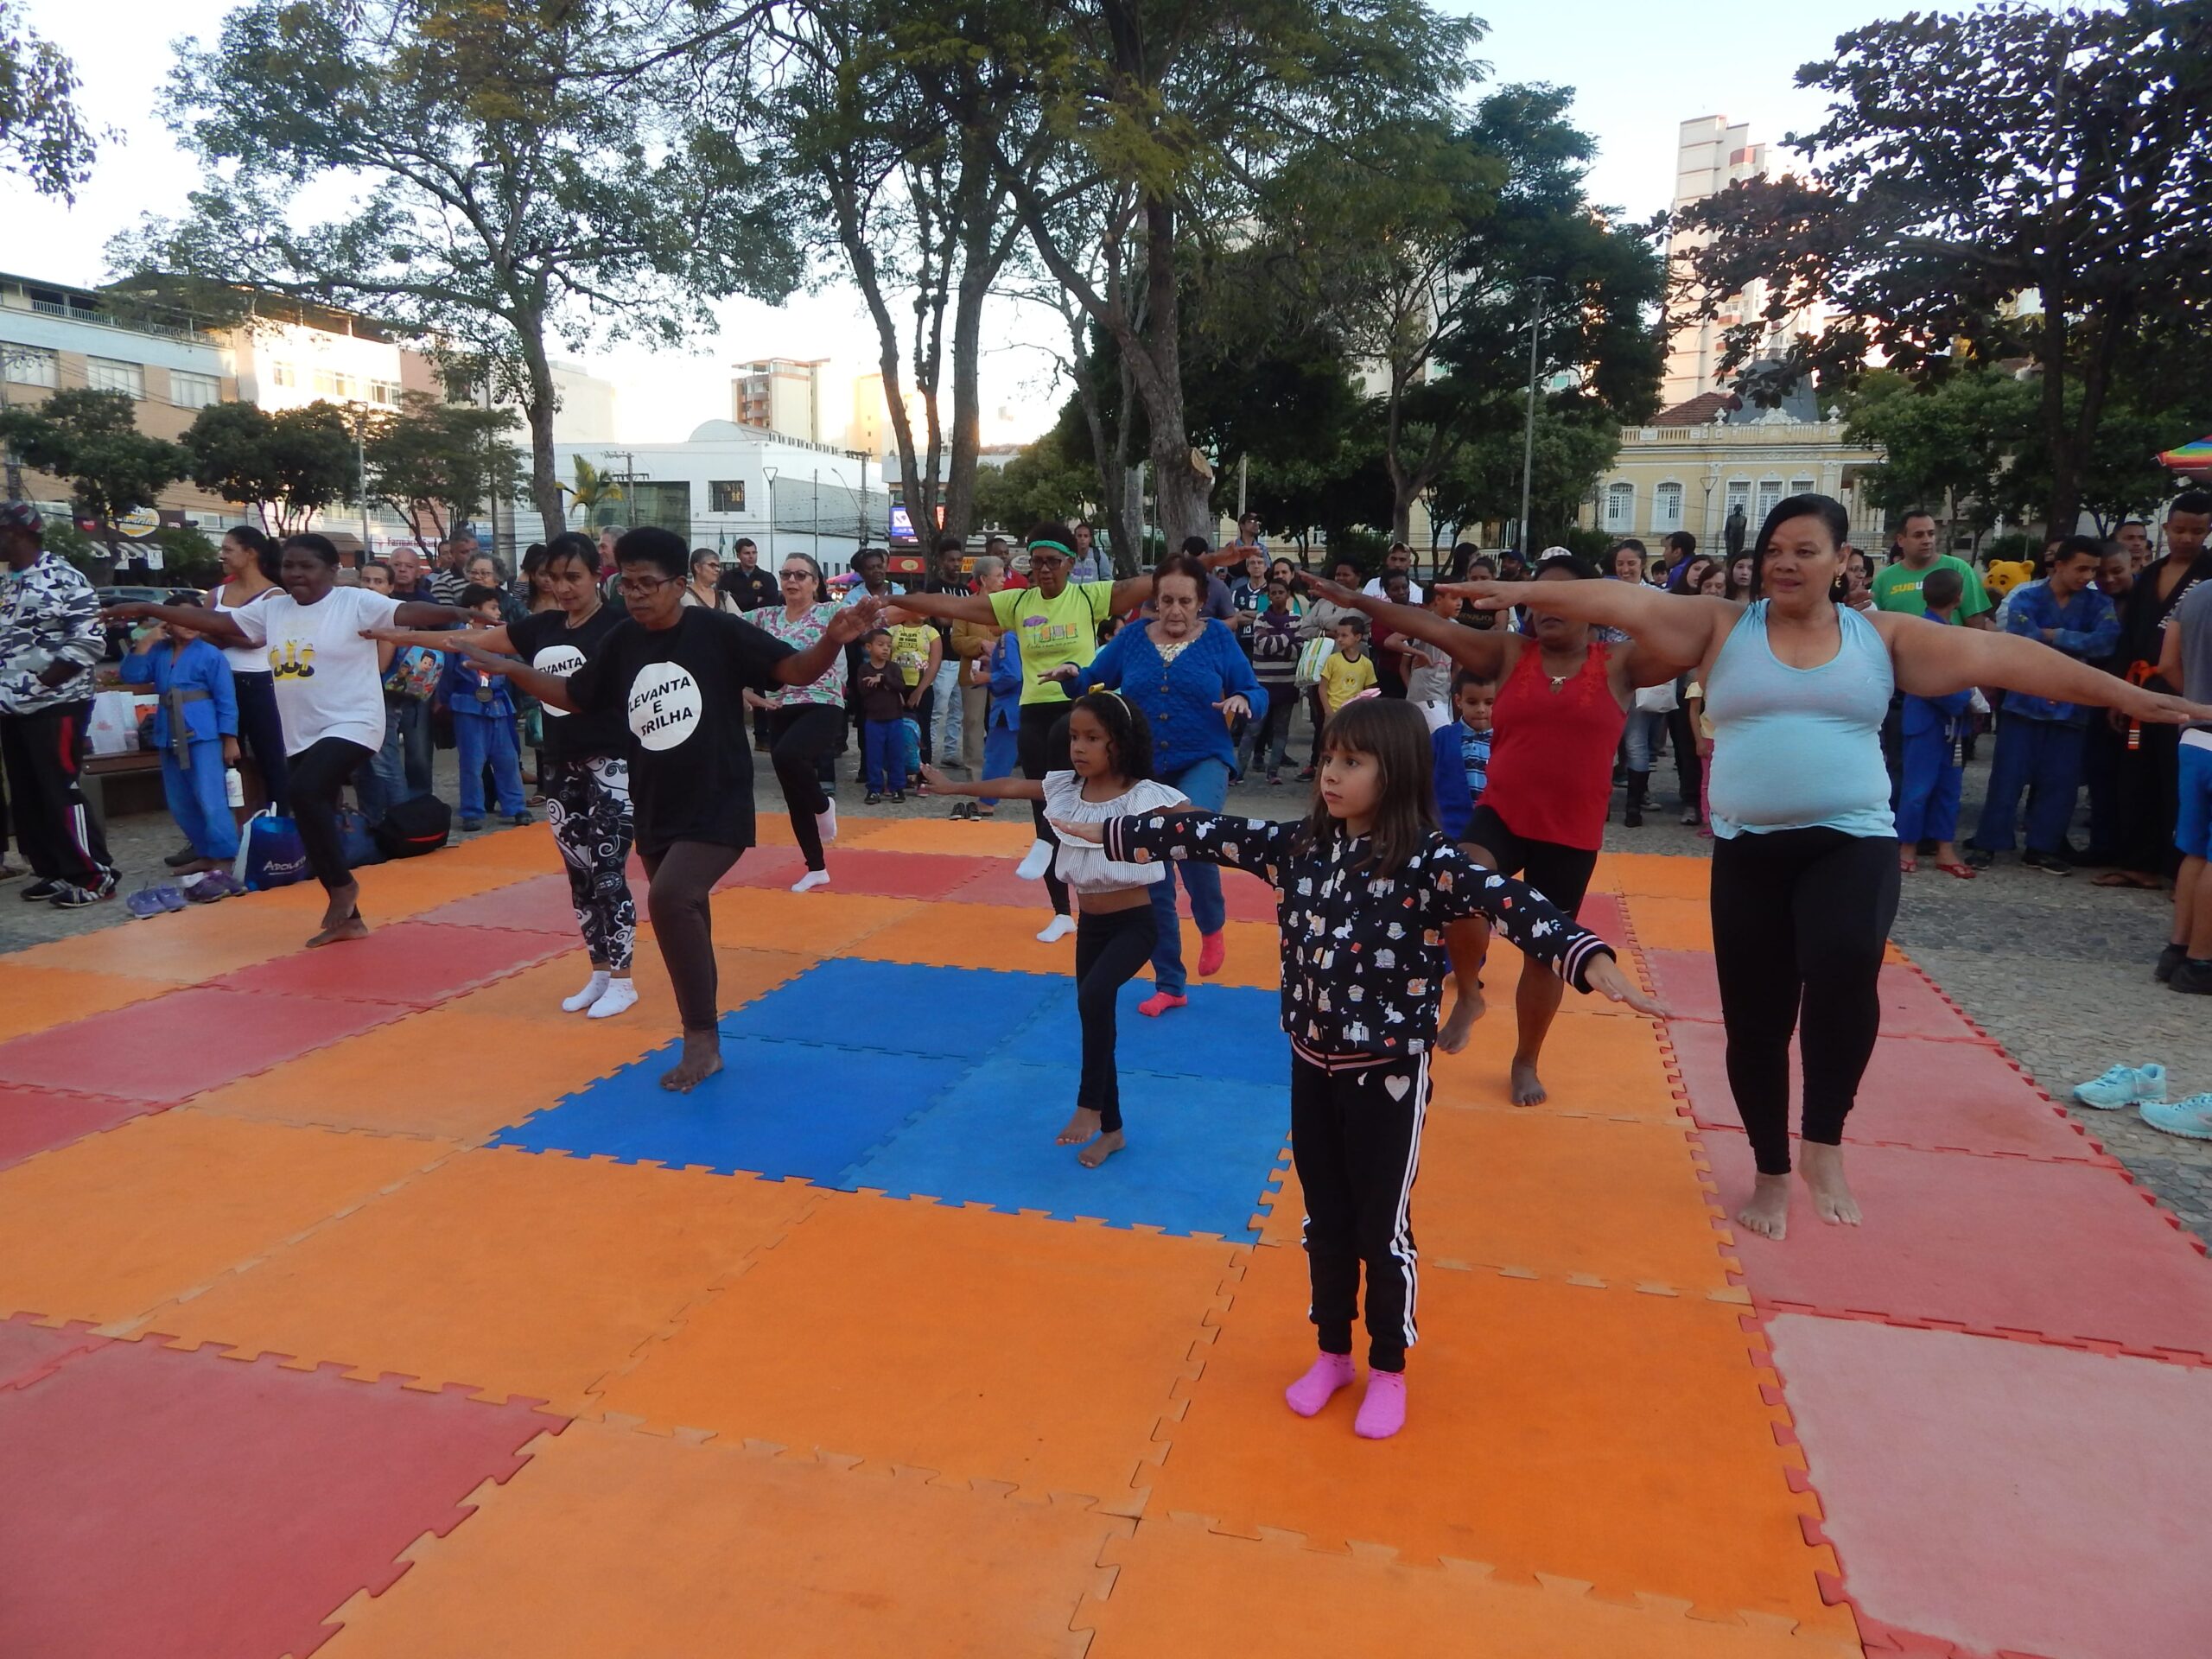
{"x": 1559, "y": 681}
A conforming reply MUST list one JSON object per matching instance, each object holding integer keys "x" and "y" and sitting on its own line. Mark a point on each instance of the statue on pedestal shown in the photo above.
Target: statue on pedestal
{"x": 1733, "y": 532}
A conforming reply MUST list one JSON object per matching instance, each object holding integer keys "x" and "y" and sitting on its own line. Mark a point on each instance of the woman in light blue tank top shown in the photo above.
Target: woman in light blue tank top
{"x": 1805, "y": 859}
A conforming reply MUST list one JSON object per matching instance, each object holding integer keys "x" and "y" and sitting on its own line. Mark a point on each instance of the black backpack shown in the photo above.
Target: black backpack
{"x": 413, "y": 827}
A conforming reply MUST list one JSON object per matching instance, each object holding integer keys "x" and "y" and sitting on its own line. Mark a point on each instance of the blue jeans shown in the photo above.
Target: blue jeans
{"x": 479, "y": 738}
{"x": 883, "y": 754}
{"x": 1641, "y": 734}
{"x": 416, "y": 743}
{"x": 1207, "y": 783}
{"x": 197, "y": 801}
{"x": 1267, "y": 735}
{"x": 2043, "y": 757}
{"x": 381, "y": 783}
{"x": 945, "y": 693}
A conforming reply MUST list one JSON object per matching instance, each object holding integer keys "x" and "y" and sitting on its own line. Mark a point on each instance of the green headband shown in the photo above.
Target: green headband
{"x": 1057, "y": 547}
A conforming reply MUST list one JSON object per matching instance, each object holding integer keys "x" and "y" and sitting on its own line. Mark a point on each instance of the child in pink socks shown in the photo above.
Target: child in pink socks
{"x": 1366, "y": 886}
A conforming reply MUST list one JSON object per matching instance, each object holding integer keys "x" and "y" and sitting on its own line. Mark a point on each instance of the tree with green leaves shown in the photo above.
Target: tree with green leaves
{"x": 521, "y": 172}
{"x": 594, "y": 489}
{"x": 2035, "y": 183}
{"x": 435, "y": 463}
{"x": 91, "y": 438}
{"x": 1946, "y": 444}
{"x": 288, "y": 465}
{"x": 43, "y": 138}
{"x": 1168, "y": 118}
{"x": 1574, "y": 442}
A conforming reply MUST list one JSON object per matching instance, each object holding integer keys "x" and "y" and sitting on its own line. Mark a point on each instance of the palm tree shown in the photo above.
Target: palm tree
{"x": 592, "y": 490}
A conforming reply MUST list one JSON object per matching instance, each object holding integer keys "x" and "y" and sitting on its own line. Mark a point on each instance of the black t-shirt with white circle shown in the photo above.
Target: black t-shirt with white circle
{"x": 680, "y": 691}
{"x": 546, "y": 642}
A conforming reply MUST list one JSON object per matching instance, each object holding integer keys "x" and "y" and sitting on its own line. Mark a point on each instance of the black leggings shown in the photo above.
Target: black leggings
{"x": 1041, "y": 745}
{"x": 316, "y": 774}
{"x": 799, "y": 737}
{"x": 263, "y": 732}
{"x": 1800, "y": 918}
{"x": 587, "y": 803}
{"x": 683, "y": 876}
{"x": 1110, "y": 946}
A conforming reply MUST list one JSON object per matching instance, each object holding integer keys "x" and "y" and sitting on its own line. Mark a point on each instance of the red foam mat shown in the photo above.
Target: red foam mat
{"x": 1911, "y": 1006}
{"x": 185, "y": 1505}
{"x": 1604, "y": 914}
{"x": 2070, "y": 1252}
{"x": 30, "y": 1352}
{"x": 173, "y": 1047}
{"x": 32, "y": 1121}
{"x": 540, "y": 904}
{"x": 413, "y": 963}
{"x": 1935, "y": 1096}
{"x": 888, "y": 875}
{"x": 1993, "y": 1497}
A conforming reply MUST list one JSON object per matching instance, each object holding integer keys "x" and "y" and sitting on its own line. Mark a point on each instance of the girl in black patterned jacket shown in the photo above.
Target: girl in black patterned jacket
{"x": 1367, "y": 885}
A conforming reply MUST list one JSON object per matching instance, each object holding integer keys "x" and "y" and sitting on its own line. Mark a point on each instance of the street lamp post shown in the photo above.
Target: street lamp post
{"x": 1528, "y": 431}
{"x": 771, "y": 472}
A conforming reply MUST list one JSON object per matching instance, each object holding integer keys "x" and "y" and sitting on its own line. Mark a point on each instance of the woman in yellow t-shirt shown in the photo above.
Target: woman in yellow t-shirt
{"x": 1053, "y": 620}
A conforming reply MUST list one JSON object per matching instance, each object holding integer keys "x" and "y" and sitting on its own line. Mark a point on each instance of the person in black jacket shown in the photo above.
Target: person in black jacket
{"x": 1367, "y": 885}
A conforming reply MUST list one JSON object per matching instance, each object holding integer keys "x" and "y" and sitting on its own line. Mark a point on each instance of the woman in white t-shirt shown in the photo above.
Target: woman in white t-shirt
{"x": 1110, "y": 748}
{"x": 329, "y": 693}
{"x": 249, "y": 573}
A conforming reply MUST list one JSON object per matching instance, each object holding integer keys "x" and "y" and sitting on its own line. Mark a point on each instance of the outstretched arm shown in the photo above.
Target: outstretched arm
{"x": 1934, "y": 661}
{"x": 994, "y": 789}
{"x": 551, "y": 690}
{"x": 1675, "y": 629}
{"x": 806, "y": 667}
{"x": 1260, "y": 847}
{"x": 493, "y": 638}
{"x": 949, "y": 607}
{"x": 205, "y": 620}
{"x": 1486, "y": 652}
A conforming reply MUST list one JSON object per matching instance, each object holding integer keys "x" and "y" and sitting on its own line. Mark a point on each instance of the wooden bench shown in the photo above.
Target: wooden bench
{"x": 138, "y": 774}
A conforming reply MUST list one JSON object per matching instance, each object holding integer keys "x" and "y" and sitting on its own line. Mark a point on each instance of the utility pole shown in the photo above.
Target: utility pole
{"x": 361, "y": 473}
{"x": 1529, "y": 432}
{"x": 771, "y": 472}
{"x": 15, "y": 467}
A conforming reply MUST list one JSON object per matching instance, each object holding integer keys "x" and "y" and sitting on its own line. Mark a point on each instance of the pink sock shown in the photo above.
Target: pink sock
{"x": 1159, "y": 1001}
{"x": 1213, "y": 950}
{"x": 1383, "y": 1413}
{"x": 1311, "y": 1392}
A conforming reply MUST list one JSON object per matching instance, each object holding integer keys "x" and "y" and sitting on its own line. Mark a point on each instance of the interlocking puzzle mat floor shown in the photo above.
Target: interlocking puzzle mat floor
{"x": 364, "y": 1302}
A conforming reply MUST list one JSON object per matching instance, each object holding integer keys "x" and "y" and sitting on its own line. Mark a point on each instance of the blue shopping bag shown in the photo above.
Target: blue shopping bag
{"x": 269, "y": 852}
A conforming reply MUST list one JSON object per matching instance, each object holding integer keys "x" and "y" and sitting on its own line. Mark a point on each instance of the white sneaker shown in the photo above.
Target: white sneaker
{"x": 1055, "y": 930}
{"x": 594, "y": 988}
{"x": 2123, "y": 1086}
{"x": 1038, "y": 860}
{"x": 825, "y": 821}
{"x": 620, "y": 994}
{"x": 810, "y": 880}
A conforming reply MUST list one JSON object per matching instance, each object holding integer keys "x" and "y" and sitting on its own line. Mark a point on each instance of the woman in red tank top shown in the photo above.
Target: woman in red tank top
{"x": 1562, "y": 701}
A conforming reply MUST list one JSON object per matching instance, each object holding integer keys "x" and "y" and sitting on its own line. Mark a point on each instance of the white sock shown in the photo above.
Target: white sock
{"x": 810, "y": 880}
{"x": 1036, "y": 861}
{"x": 825, "y": 821}
{"x": 620, "y": 994}
{"x": 594, "y": 989}
{"x": 1055, "y": 930}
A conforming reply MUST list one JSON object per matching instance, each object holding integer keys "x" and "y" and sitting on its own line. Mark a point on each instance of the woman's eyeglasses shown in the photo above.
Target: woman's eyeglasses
{"x": 640, "y": 586}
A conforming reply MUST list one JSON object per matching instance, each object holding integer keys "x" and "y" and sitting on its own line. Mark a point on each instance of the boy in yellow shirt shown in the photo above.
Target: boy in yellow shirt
{"x": 1349, "y": 669}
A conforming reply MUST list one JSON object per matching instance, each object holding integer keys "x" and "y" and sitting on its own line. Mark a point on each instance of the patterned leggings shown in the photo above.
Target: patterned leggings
{"x": 588, "y": 803}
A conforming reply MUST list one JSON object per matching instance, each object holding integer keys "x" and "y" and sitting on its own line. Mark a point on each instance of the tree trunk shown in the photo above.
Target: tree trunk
{"x": 2065, "y": 505}
{"x": 1152, "y": 355}
{"x": 537, "y": 408}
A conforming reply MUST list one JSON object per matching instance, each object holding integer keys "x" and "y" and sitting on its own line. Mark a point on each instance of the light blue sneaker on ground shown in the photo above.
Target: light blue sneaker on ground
{"x": 2190, "y": 1119}
{"x": 2124, "y": 1085}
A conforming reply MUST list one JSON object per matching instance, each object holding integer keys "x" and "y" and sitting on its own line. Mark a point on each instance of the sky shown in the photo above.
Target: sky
{"x": 1637, "y": 70}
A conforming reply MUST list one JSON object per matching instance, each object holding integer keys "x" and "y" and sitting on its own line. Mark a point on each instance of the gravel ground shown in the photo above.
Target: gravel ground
{"x": 2057, "y": 969}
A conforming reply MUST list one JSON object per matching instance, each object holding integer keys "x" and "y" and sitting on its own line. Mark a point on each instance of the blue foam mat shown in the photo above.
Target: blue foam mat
{"x": 1201, "y": 1151}
{"x": 780, "y": 1108}
{"x": 898, "y": 1007}
{"x": 1230, "y": 1032}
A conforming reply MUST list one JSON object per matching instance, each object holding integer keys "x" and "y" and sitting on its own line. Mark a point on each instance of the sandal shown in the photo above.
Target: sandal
{"x": 2126, "y": 879}
{"x": 1907, "y": 864}
{"x": 1958, "y": 870}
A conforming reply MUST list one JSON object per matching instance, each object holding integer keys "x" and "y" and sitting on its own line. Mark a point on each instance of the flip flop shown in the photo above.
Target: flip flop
{"x": 2125, "y": 878}
{"x": 1959, "y": 870}
{"x": 1907, "y": 864}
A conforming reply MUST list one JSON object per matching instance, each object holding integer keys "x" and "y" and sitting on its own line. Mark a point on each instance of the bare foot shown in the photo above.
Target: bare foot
{"x": 1528, "y": 1087}
{"x": 703, "y": 1057}
{"x": 1768, "y": 1213}
{"x": 350, "y": 927}
{"x": 1101, "y": 1149}
{"x": 1078, "y": 1128}
{"x": 1461, "y": 1025}
{"x": 1822, "y": 1167}
{"x": 345, "y": 903}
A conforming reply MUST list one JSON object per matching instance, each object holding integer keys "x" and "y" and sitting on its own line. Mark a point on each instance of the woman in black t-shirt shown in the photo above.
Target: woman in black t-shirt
{"x": 677, "y": 676}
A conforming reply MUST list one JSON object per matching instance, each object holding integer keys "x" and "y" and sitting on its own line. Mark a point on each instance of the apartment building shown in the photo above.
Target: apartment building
{"x": 782, "y": 395}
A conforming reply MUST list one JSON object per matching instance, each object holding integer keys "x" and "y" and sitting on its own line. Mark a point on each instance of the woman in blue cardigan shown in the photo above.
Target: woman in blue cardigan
{"x": 1192, "y": 681}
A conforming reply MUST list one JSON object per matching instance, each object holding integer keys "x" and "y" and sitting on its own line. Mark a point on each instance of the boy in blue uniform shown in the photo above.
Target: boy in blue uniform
{"x": 196, "y": 729}
{"x": 1933, "y": 757}
{"x": 483, "y": 725}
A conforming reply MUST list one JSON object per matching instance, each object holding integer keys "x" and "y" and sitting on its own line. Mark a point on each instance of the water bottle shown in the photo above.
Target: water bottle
{"x": 233, "y": 787}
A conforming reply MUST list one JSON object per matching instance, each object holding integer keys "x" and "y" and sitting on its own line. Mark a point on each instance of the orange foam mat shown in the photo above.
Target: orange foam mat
{"x": 1181, "y": 1589}
{"x": 1532, "y": 1193}
{"x": 1003, "y": 1348}
{"x": 38, "y": 999}
{"x": 536, "y": 994}
{"x": 393, "y": 892}
{"x": 1686, "y": 925}
{"x": 451, "y": 1071}
{"x": 1660, "y": 875}
{"x": 512, "y": 1273}
{"x": 1614, "y": 1439}
{"x": 112, "y": 1226}
{"x": 1593, "y": 1065}
{"x": 611, "y": 1545}
{"x": 1003, "y": 837}
{"x": 200, "y": 943}
{"x": 529, "y": 850}
{"x": 1001, "y": 936}
{"x": 817, "y": 923}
